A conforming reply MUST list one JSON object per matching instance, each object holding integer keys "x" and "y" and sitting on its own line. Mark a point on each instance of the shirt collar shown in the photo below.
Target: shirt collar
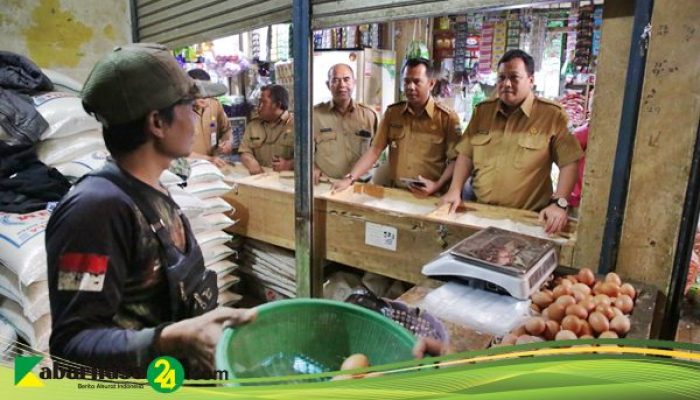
{"x": 429, "y": 108}
{"x": 351, "y": 107}
{"x": 525, "y": 106}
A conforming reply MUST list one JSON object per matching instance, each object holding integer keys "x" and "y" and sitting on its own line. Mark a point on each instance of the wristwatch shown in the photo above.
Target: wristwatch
{"x": 561, "y": 202}
{"x": 352, "y": 178}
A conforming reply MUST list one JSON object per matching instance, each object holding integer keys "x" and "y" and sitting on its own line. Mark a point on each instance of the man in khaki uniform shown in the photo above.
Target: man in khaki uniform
{"x": 268, "y": 140}
{"x": 212, "y": 129}
{"x": 510, "y": 145}
{"x": 342, "y": 128}
{"x": 421, "y": 135}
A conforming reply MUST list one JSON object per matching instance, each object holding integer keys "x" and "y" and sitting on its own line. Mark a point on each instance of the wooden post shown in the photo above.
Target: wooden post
{"x": 604, "y": 126}
{"x": 666, "y": 133}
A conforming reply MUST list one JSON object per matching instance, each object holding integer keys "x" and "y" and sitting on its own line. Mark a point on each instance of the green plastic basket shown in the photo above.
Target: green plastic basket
{"x": 308, "y": 336}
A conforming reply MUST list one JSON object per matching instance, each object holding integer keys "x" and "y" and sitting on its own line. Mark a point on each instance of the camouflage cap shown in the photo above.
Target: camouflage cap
{"x": 136, "y": 79}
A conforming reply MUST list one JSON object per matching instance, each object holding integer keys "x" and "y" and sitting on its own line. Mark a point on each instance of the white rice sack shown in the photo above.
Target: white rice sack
{"x": 212, "y": 222}
{"x": 208, "y": 190}
{"x": 190, "y": 205}
{"x": 8, "y": 337}
{"x": 22, "y": 247}
{"x": 61, "y": 81}
{"x": 226, "y": 281}
{"x": 217, "y": 205}
{"x": 227, "y": 298}
{"x": 9, "y": 284}
{"x": 223, "y": 267}
{"x": 203, "y": 171}
{"x": 65, "y": 114}
{"x": 36, "y": 334}
{"x": 55, "y": 151}
{"x": 75, "y": 169}
{"x": 168, "y": 179}
{"x": 35, "y": 300}
{"x": 215, "y": 253}
{"x": 212, "y": 238}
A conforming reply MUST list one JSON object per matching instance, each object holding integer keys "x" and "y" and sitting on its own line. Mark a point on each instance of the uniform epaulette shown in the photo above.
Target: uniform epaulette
{"x": 549, "y": 102}
{"x": 487, "y": 101}
{"x": 398, "y": 104}
{"x": 444, "y": 107}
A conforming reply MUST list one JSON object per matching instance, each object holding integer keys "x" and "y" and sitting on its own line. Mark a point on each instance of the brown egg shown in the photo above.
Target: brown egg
{"x": 549, "y": 292}
{"x": 565, "y": 335}
{"x": 624, "y": 303}
{"x": 596, "y": 286}
{"x": 519, "y": 331}
{"x": 566, "y": 300}
{"x": 571, "y": 323}
{"x": 588, "y": 303}
{"x": 561, "y": 290}
{"x": 509, "y": 339}
{"x": 586, "y": 337}
{"x": 602, "y": 299}
{"x": 525, "y": 339}
{"x": 585, "y": 330}
{"x": 613, "y": 278}
{"x": 606, "y": 310}
{"x": 620, "y": 325}
{"x": 565, "y": 282}
{"x": 617, "y": 311}
{"x": 608, "y": 335}
{"x": 551, "y": 329}
{"x": 556, "y": 311}
{"x": 581, "y": 287}
{"x": 355, "y": 361}
{"x": 598, "y": 322}
{"x": 610, "y": 289}
{"x": 577, "y": 310}
{"x": 586, "y": 276}
{"x": 542, "y": 299}
{"x": 628, "y": 289}
{"x": 572, "y": 278}
{"x": 535, "y": 309}
{"x": 579, "y": 296}
{"x": 535, "y": 326}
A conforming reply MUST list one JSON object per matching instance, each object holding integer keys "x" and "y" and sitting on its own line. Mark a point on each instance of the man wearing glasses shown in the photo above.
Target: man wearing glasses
{"x": 510, "y": 145}
{"x": 342, "y": 128}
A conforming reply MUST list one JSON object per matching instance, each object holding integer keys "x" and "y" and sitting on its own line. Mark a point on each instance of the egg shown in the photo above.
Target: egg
{"x": 535, "y": 309}
{"x": 535, "y": 326}
{"x": 561, "y": 290}
{"x": 586, "y": 276}
{"x": 620, "y": 325}
{"x": 580, "y": 287}
{"x": 585, "y": 330}
{"x": 577, "y": 310}
{"x": 571, "y": 323}
{"x": 588, "y": 303}
{"x": 586, "y": 337}
{"x": 342, "y": 377}
{"x": 596, "y": 286}
{"x": 606, "y": 310}
{"x": 598, "y": 322}
{"x": 572, "y": 278}
{"x": 565, "y": 335}
{"x": 551, "y": 329}
{"x": 542, "y": 299}
{"x": 609, "y": 288}
{"x": 608, "y": 335}
{"x": 565, "y": 300}
{"x": 556, "y": 312}
{"x": 617, "y": 311}
{"x": 519, "y": 331}
{"x": 525, "y": 339}
{"x": 579, "y": 296}
{"x": 624, "y": 303}
{"x": 628, "y": 289}
{"x": 602, "y": 299}
{"x": 508, "y": 339}
{"x": 613, "y": 278}
{"x": 355, "y": 361}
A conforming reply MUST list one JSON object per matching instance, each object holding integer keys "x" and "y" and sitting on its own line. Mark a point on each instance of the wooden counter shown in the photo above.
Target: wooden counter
{"x": 265, "y": 211}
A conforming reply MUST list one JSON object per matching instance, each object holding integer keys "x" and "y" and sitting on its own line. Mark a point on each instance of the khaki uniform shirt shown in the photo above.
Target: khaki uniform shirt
{"x": 513, "y": 154}
{"x": 264, "y": 140}
{"x": 342, "y": 139}
{"x": 211, "y": 128}
{"x": 418, "y": 144}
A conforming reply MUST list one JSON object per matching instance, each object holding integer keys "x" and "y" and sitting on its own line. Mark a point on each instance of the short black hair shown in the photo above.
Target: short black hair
{"x": 278, "y": 94}
{"x": 517, "y": 53}
{"x": 429, "y": 69}
{"x": 124, "y": 138}
{"x": 199, "y": 74}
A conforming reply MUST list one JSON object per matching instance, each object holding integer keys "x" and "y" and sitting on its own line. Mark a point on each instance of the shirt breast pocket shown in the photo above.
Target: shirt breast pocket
{"x": 326, "y": 137}
{"x": 532, "y": 152}
{"x": 480, "y": 149}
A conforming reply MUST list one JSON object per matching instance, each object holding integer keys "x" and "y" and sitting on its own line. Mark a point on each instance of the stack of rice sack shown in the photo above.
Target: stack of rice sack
{"x": 24, "y": 293}
{"x": 270, "y": 270}
{"x": 201, "y": 202}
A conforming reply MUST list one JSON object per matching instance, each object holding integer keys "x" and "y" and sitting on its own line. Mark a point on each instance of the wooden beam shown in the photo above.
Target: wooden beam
{"x": 616, "y": 35}
{"x": 666, "y": 134}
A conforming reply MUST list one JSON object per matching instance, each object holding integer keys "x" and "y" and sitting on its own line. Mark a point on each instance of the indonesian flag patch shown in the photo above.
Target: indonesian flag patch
{"x": 82, "y": 271}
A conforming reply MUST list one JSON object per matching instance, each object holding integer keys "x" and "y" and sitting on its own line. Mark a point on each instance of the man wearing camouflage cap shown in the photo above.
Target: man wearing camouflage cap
{"x": 127, "y": 281}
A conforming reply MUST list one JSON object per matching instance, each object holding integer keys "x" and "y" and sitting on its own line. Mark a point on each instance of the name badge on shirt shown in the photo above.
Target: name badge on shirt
{"x": 323, "y": 130}
{"x": 212, "y": 134}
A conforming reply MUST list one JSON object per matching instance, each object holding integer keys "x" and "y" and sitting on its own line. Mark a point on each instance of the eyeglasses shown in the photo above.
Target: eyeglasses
{"x": 511, "y": 78}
